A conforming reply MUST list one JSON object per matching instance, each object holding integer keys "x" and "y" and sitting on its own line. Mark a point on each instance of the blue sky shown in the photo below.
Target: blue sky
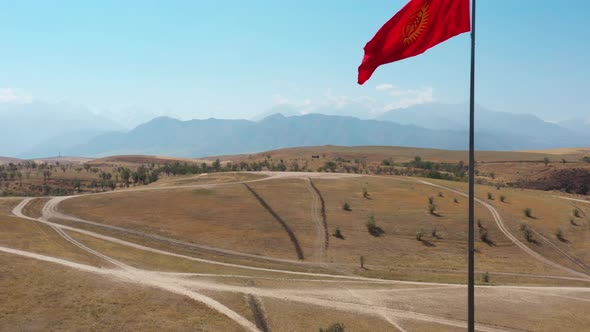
{"x": 236, "y": 59}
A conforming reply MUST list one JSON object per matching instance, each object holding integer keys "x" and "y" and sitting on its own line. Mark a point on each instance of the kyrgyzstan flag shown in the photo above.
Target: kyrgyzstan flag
{"x": 418, "y": 26}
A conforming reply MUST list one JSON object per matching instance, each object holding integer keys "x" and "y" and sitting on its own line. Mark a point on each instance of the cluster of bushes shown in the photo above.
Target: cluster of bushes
{"x": 458, "y": 170}
{"x": 46, "y": 190}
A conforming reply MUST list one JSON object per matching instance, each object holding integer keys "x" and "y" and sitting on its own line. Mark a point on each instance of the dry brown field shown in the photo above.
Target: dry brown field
{"x": 216, "y": 252}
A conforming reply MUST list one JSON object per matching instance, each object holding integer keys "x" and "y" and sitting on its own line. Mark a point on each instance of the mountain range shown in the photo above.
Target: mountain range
{"x": 430, "y": 125}
{"x": 39, "y": 129}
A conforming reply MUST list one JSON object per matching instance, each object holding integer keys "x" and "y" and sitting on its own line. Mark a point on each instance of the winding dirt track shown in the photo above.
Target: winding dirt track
{"x": 184, "y": 283}
{"x": 187, "y": 288}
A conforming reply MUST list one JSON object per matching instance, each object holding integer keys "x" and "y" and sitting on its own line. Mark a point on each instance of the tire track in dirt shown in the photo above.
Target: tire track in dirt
{"x": 316, "y": 217}
{"x": 322, "y": 212}
{"x": 18, "y": 212}
{"x": 573, "y": 259}
{"x": 280, "y": 220}
{"x": 255, "y": 304}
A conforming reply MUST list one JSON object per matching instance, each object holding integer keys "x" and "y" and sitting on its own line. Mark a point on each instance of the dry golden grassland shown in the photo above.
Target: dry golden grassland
{"x": 549, "y": 213}
{"x": 33, "y": 208}
{"x": 7, "y": 204}
{"x": 530, "y": 310}
{"x": 229, "y": 217}
{"x": 311, "y": 318}
{"x": 401, "y": 210}
{"x": 44, "y": 296}
{"x": 165, "y": 263}
{"x": 39, "y": 296}
{"x": 30, "y": 236}
{"x": 226, "y": 217}
{"x": 291, "y": 199}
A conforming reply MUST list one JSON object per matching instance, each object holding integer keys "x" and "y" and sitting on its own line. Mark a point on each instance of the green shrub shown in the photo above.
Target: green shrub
{"x": 365, "y": 192}
{"x": 419, "y": 234}
{"x": 430, "y": 200}
{"x": 559, "y": 235}
{"x": 338, "y": 233}
{"x": 577, "y": 213}
{"x": 502, "y": 198}
{"x": 490, "y": 196}
{"x": 432, "y": 208}
{"x": 456, "y": 200}
{"x": 528, "y": 233}
{"x": 485, "y": 277}
{"x": 528, "y": 212}
{"x": 480, "y": 224}
{"x": 346, "y": 207}
{"x": 485, "y": 237}
{"x": 373, "y": 228}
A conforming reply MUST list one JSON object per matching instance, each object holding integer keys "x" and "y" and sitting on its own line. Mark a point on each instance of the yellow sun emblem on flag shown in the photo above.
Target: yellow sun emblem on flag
{"x": 415, "y": 26}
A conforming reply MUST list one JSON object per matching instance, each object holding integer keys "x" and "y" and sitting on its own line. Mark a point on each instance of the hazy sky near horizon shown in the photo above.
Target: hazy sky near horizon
{"x": 237, "y": 59}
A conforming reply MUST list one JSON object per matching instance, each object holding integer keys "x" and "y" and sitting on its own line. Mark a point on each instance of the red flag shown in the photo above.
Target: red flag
{"x": 420, "y": 25}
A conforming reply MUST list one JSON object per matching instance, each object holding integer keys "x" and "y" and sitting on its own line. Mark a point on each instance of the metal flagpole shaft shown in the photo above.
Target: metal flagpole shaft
{"x": 471, "y": 268}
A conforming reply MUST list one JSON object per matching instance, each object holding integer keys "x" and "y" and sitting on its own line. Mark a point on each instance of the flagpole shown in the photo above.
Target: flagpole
{"x": 471, "y": 268}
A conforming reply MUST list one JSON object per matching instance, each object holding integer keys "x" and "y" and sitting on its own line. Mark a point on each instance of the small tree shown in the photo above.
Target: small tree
{"x": 338, "y": 234}
{"x": 432, "y": 208}
{"x": 365, "y": 192}
{"x": 559, "y": 235}
{"x": 546, "y": 161}
{"x": 485, "y": 237}
{"x": 373, "y": 228}
{"x": 346, "y": 207}
{"x": 577, "y": 213}
{"x": 485, "y": 277}
{"x": 528, "y": 212}
{"x": 430, "y": 200}
{"x": 490, "y": 196}
{"x": 217, "y": 165}
{"x": 419, "y": 234}
{"x": 528, "y": 233}
{"x": 502, "y": 198}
